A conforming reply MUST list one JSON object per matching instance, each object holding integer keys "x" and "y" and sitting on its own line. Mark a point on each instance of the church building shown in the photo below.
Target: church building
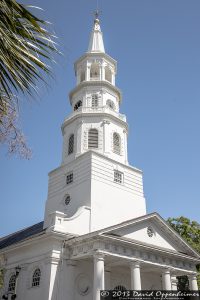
{"x": 96, "y": 233}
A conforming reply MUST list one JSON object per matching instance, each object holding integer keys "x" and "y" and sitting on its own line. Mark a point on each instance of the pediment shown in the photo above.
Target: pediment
{"x": 151, "y": 230}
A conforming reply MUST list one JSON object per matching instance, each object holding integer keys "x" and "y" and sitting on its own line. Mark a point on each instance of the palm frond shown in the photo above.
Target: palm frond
{"x": 25, "y": 47}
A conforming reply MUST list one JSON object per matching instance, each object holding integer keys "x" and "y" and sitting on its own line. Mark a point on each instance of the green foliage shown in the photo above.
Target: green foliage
{"x": 190, "y": 232}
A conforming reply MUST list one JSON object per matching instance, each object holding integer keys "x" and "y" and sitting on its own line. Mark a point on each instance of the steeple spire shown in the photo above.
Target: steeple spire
{"x": 96, "y": 39}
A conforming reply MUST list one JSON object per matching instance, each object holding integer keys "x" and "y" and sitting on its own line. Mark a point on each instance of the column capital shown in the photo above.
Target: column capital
{"x": 166, "y": 271}
{"x": 193, "y": 275}
{"x": 135, "y": 264}
{"x": 125, "y": 131}
{"x": 98, "y": 255}
{"x": 105, "y": 122}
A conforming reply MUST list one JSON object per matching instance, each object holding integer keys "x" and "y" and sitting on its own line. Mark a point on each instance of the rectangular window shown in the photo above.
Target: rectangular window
{"x": 69, "y": 178}
{"x": 118, "y": 177}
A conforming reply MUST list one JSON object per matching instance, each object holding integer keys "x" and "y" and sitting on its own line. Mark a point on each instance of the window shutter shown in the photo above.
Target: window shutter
{"x": 71, "y": 144}
{"x": 94, "y": 100}
{"x": 116, "y": 143}
{"x": 93, "y": 139}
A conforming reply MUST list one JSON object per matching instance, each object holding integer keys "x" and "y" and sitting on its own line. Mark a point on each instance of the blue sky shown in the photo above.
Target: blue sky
{"x": 157, "y": 46}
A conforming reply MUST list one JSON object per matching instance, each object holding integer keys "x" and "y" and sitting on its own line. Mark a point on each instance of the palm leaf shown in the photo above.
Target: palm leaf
{"x": 25, "y": 47}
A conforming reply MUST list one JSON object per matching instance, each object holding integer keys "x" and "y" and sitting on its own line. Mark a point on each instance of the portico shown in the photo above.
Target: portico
{"x": 140, "y": 276}
{"x": 111, "y": 272}
{"x": 117, "y": 262}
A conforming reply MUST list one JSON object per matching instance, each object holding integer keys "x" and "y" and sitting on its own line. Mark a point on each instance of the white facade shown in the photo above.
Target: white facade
{"x": 96, "y": 233}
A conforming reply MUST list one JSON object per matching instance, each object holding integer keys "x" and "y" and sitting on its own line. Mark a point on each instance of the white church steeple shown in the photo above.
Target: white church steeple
{"x": 95, "y": 186}
{"x": 95, "y": 101}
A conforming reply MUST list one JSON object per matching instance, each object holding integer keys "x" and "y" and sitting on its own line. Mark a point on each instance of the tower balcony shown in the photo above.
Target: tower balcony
{"x": 96, "y": 110}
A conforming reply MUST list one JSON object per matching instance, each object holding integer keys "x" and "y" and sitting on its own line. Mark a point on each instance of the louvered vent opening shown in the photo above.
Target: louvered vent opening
{"x": 94, "y": 101}
{"x": 71, "y": 144}
{"x": 93, "y": 139}
{"x": 116, "y": 143}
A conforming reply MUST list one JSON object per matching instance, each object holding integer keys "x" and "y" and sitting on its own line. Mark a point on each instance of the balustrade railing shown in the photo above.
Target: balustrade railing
{"x": 93, "y": 110}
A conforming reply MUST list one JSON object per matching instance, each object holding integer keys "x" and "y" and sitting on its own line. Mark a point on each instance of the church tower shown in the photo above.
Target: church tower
{"x": 95, "y": 186}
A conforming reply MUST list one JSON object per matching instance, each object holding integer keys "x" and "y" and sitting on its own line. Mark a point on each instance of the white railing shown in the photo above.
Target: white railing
{"x": 93, "y": 110}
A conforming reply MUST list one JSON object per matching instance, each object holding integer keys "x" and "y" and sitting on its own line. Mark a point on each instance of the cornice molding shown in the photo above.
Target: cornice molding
{"x": 101, "y": 83}
{"x": 96, "y": 114}
{"x": 89, "y": 55}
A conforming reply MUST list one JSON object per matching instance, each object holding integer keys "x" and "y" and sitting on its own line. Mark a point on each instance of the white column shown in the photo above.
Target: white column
{"x": 174, "y": 282}
{"x": 166, "y": 280}
{"x": 78, "y": 76}
{"x": 103, "y": 72}
{"x": 98, "y": 283}
{"x": 135, "y": 276}
{"x": 49, "y": 278}
{"x": 100, "y": 72}
{"x": 87, "y": 75}
{"x": 106, "y": 139}
{"x": 125, "y": 147}
{"x": 113, "y": 78}
{"x": 193, "y": 282}
{"x": 78, "y": 141}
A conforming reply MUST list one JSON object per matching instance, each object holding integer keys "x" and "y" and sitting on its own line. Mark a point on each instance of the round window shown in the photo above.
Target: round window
{"x": 67, "y": 199}
{"x": 150, "y": 232}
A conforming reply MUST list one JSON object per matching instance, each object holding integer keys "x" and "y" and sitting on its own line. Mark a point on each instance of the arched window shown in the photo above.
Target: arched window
{"x": 36, "y": 277}
{"x": 94, "y": 100}
{"x": 71, "y": 144}
{"x": 110, "y": 104}
{"x": 77, "y": 105}
{"x": 93, "y": 138}
{"x": 12, "y": 283}
{"x": 95, "y": 72}
{"x": 116, "y": 143}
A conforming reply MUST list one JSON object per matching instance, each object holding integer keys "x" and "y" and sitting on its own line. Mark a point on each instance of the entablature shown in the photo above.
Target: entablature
{"x": 103, "y": 112}
{"x": 96, "y": 56}
{"x": 131, "y": 251}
